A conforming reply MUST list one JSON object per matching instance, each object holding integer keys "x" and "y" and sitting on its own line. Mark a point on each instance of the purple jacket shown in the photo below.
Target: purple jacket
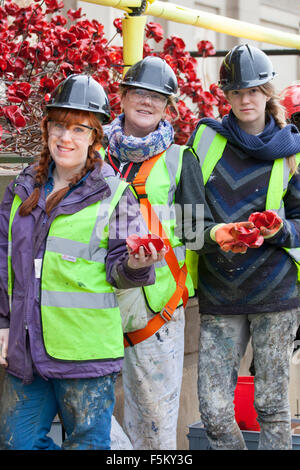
{"x": 26, "y": 353}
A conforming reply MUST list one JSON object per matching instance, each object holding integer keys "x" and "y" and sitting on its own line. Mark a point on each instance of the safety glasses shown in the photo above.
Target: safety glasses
{"x": 76, "y": 131}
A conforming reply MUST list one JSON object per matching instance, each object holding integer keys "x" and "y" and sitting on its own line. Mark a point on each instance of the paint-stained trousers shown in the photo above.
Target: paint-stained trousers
{"x": 27, "y": 412}
{"x": 152, "y": 376}
{"x": 223, "y": 341}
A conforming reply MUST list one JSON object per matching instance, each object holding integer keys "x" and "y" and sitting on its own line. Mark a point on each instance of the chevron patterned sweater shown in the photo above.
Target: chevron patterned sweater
{"x": 263, "y": 279}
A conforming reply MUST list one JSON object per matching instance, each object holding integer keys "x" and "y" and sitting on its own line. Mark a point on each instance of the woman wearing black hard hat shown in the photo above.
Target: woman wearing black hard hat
{"x": 249, "y": 162}
{"x": 141, "y": 150}
{"x": 63, "y": 231}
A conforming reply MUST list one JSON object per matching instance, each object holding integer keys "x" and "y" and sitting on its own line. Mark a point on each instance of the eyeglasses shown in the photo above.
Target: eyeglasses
{"x": 138, "y": 95}
{"x": 77, "y": 131}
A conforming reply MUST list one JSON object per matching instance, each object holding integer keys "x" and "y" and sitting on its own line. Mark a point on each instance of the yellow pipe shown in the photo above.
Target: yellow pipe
{"x": 121, "y": 4}
{"x": 222, "y": 24}
{"x": 133, "y": 39}
{"x": 202, "y": 19}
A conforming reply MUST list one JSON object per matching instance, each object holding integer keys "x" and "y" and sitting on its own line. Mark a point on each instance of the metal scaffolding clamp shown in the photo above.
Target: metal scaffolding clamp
{"x": 137, "y": 11}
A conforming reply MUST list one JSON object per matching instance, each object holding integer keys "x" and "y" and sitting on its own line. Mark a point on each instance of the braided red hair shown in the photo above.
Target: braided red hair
{"x": 68, "y": 117}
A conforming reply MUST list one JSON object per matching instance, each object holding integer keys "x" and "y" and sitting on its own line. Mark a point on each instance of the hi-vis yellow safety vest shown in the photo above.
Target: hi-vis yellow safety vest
{"x": 80, "y": 316}
{"x": 160, "y": 188}
{"x": 209, "y": 147}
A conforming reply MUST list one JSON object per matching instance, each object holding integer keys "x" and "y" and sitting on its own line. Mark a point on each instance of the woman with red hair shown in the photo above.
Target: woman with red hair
{"x": 63, "y": 231}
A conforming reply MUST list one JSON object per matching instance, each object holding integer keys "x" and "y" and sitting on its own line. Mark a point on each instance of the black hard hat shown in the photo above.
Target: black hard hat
{"x": 245, "y": 66}
{"x": 84, "y": 93}
{"x": 152, "y": 73}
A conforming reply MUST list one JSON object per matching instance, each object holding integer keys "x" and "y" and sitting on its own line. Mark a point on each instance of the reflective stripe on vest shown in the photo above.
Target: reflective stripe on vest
{"x": 160, "y": 188}
{"x": 278, "y": 184}
{"x": 79, "y": 312}
{"x": 211, "y": 145}
{"x": 10, "y": 274}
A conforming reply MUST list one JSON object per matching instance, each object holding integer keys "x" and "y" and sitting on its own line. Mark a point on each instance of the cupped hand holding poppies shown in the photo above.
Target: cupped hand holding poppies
{"x": 238, "y": 236}
{"x": 145, "y": 251}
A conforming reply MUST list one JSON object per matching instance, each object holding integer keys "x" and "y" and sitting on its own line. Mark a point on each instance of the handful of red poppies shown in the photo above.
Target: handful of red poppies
{"x": 268, "y": 219}
{"x": 249, "y": 237}
{"x": 265, "y": 224}
{"x": 134, "y": 242}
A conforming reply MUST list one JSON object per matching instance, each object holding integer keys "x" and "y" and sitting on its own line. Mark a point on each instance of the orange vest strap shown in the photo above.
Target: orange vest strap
{"x": 179, "y": 274}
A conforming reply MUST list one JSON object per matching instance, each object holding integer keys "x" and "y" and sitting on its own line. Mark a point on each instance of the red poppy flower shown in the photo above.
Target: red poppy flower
{"x": 115, "y": 57}
{"x": 3, "y": 25}
{"x": 206, "y": 110}
{"x": 3, "y": 64}
{"x": 118, "y": 25}
{"x": 134, "y": 242}
{"x": 268, "y": 219}
{"x": 171, "y": 61}
{"x": 18, "y": 92}
{"x": 224, "y": 109}
{"x": 206, "y": 48}
{"x": 73, "y": 56}
{"x": 28, "y": 17}
{"x": 98, "y": 28}
{"x": 187, "y": 65}
{"x": 3, "y": 13}
{"x": 67, "y": 39}
{"x": 182, "y": 108}
{"x": 147, "y": 50}
{"x": 79, "y": 31}
{"x": 39, "y": 28}
{"x": 14, "y": 115}
{"x": 208, "y": 98}
{"x": 249, "y": 237}
{"x": 190, "y": 88}
{"x": 43, "y": 52}
{"x": 217, "y": 92}
{"x": 66, "y": 69}
{"x": 174, "y": 45}
{"x": 12, "y": 9}
{"x": 59, "y": 20}
{"x": 75, "y": 14}
{"x": 47, "y": 84}
{"x": 187, "y": 117}
{"x": 92, "y": 56}
{"x": 154, "y": 31}
{"x": 53, "y": 5}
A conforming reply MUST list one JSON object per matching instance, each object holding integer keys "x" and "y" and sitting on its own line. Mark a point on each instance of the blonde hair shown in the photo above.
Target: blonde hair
{"x": 275, "y": 109}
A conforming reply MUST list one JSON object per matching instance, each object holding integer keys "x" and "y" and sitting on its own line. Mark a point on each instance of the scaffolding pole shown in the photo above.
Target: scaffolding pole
{"x": 202, "y": 19}
{"x": 133, "y": 40}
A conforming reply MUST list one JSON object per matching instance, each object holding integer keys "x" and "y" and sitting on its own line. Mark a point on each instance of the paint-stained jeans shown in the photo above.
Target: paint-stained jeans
{"x": 223, "y": 341}
{"x": 27, "y": 412}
